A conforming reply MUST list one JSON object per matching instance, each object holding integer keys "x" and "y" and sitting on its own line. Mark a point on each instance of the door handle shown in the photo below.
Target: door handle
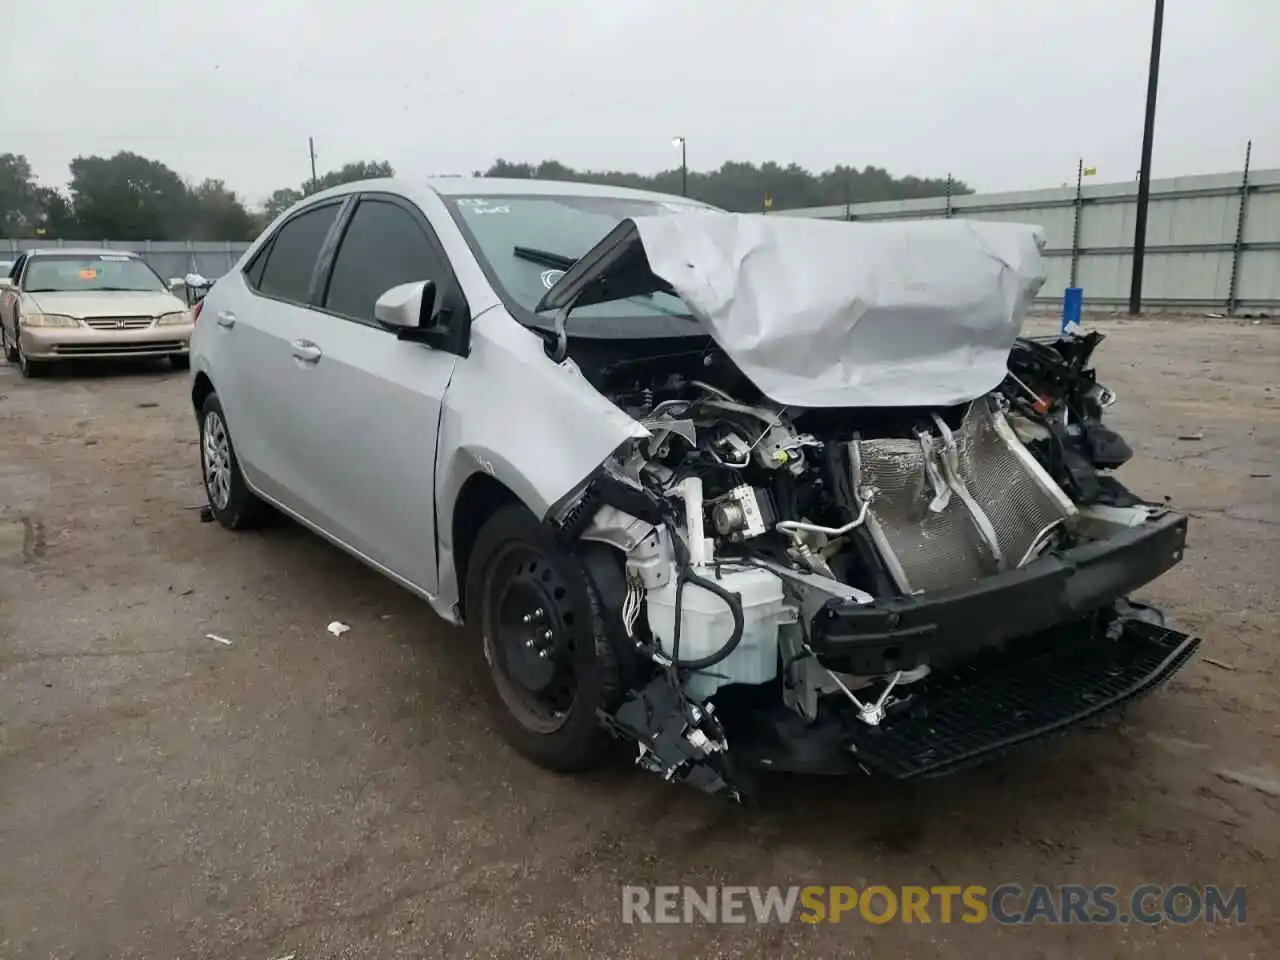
{"x": 226, "y": 319}
{"x": 306, "y": 351}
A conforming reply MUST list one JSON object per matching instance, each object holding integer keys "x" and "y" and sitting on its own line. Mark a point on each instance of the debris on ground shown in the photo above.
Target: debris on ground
{"x": 337, "y": 628}
{"x": 1191, "y": 436}
{"x": 1217, "y": 663}
{"x": 222, "y": 640}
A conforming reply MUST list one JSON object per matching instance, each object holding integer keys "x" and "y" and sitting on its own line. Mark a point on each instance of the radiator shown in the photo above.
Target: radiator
{"x": 950, "y": 507}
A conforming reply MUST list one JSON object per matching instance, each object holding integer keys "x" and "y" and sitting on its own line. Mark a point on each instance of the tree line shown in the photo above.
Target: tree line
{"x": 131, "y": 197}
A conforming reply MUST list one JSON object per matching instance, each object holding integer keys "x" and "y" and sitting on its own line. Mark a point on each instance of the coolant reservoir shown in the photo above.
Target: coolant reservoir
{"x": 706, "y": 625}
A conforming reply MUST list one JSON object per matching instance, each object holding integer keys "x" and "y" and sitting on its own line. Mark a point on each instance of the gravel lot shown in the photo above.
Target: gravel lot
{"x": 166, "y": 795}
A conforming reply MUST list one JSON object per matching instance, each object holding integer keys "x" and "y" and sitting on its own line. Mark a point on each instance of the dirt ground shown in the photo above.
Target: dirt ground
{"x": 295, "y": 793}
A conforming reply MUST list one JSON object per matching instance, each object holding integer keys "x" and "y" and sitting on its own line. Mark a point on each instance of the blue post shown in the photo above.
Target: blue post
{"x": 1072, "y": 306}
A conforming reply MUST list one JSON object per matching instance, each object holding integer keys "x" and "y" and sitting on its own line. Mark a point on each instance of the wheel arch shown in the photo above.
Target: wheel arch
{"x": 201, "y": 388}
{"x": 481, "y": 495}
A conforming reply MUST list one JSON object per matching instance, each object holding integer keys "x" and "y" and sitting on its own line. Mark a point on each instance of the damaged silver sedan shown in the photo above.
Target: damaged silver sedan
{"x": 746, "y": 493}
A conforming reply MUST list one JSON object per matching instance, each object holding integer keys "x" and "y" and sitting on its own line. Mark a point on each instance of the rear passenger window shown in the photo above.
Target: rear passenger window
{"x": 294, "y": 252}
{"x": 254, "y": 272}
{"x": 384, "y": 246}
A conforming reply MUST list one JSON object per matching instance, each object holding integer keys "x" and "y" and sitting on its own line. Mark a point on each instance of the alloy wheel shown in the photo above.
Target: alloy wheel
{"x": 215, "y": 452}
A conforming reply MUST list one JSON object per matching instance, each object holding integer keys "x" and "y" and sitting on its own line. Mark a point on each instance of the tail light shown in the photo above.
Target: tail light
{"x": 195, "y": 310}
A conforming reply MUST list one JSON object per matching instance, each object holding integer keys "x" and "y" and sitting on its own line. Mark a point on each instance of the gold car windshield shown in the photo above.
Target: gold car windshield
{"x": 93, "y": 272}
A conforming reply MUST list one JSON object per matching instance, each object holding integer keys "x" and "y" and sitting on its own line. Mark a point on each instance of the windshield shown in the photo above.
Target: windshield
{"x": 527, "y": 241}
{"x": 107, "y": 271}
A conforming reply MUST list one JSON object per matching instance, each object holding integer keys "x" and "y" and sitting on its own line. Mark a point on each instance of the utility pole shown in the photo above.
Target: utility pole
{"x": 311, "y": 145}
{"x": 684, "y": 166}
{"x": 1075, "y": 227}
{"x": 1144, "y": 173}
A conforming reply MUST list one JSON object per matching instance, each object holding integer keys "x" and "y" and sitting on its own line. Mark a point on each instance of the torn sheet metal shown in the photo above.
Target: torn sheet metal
{"x": 822, "y": 313}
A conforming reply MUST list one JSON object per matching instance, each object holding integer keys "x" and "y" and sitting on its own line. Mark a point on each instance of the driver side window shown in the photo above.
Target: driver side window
{"x": 384, "y": 246}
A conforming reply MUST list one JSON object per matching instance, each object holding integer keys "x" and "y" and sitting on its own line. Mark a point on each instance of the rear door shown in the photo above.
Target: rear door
{"x": 364, "y": 407}
{"x": 264, "y": 315}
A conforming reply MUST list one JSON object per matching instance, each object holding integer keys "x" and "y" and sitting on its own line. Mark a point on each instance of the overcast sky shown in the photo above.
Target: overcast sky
{"x": 1002, "y": 93}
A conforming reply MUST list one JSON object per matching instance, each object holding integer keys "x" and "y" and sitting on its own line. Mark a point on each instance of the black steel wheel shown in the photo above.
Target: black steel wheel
{"x": 533, "y": 636}
{"x": 550, "y": 661}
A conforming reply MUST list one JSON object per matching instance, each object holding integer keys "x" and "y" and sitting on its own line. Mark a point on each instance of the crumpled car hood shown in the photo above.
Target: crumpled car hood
{"x": 821, "y": 313}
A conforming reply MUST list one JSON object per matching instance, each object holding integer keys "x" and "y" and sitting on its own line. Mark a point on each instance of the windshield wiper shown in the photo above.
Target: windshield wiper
{"x": 545, "y": 258}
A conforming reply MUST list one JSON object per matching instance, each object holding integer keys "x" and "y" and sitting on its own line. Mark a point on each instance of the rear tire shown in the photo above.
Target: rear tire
{"x": 526, "y": 594}
{"x": 10, "y": 350}
{"x": 180, "y": 361}
{"x": 232, "y": 502}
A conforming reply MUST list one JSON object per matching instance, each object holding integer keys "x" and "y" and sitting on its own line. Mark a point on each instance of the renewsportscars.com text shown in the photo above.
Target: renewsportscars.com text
{"x": 1009, "y": 903}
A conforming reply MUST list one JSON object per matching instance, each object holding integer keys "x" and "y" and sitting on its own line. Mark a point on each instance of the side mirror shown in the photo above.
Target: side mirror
{"x": 417, "y": 312}
{"x": 407, "y": 307}
{"x": 177, "y": 285}
{"x": 6, "y": 283}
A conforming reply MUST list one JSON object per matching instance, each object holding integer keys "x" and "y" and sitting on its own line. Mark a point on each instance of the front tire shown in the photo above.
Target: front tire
{"x": 10, "y": 350}
{"x": 550, "y": 661}
{"x": 232, "y": 502}
{"x": 31, "y": 369}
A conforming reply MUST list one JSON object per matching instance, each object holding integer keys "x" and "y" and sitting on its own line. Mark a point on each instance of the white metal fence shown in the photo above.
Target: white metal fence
{"x": 169, "y": 258}
{"x": 1213, "y": 242}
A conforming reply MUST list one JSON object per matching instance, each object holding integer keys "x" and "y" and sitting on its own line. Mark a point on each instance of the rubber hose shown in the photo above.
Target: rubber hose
{"x": 732, "y": 601}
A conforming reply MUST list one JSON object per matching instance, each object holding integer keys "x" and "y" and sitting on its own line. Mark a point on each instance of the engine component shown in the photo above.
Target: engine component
{"x": 706, "y": 622}
{"x": 701, "y": 550}
{"x": 731, "y": 450}
{"x": 780, "y": 448}
{"x": 745, "y": 512}
{"x": 650, "y": 562}
{"x": 926, "y": 550}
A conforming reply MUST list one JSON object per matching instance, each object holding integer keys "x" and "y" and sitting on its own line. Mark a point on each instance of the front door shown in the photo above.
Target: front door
{"x": 365, "y": 406}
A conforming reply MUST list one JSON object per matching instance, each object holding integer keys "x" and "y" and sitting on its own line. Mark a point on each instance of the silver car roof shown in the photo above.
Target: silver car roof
{"x": 497, "y": 186}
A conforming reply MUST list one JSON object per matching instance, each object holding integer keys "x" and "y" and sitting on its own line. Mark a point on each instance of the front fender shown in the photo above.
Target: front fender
{"x": 535, "y": 426}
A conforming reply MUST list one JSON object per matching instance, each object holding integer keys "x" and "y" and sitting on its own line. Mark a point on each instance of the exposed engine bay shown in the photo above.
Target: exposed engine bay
{"x": 901, "y": 589}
